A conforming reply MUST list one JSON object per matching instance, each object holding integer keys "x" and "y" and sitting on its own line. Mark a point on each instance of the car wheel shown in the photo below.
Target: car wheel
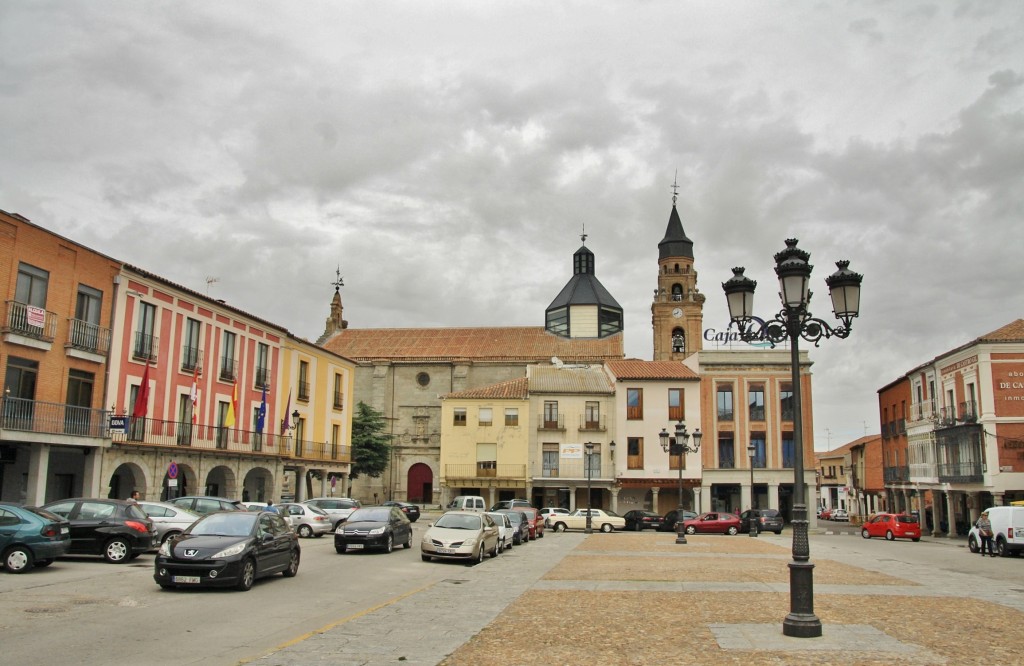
{"x": 690, "y": 529}
{"x": 972, "y": 544}
{"x": 293, "y": 565}
{"x": 1001, "y": 549}
{"x": 305, "y": 531}
{"x": 497, "y": 549}
{"x": 44, "y": 563}
{"x": 389, "y": 545}
{"x": 247, "y": 576}
{"x": 166, "y": 586}
{"x": 169, "y": 535}
{"x": 408, "y": 542}
{"x": 606, "y": 528}
{"x": 479, "y": 556}
{"x": 889, "y": 536}
{"x": 916, "y": 539}
{"x": 18, "y": 559}
{"x": 116, "y": 551}
{"x": 864, "y": 533}
{"x": 778, "y": 531}
{"x": 732, "y": 530}
{"x": 340, "y": 549}
{"x": 559, "y": 527}
{"x": 425, "y": 558}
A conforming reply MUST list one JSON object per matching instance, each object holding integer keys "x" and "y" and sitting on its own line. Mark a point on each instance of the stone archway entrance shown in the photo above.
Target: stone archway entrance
{"x": 420, "y": 486}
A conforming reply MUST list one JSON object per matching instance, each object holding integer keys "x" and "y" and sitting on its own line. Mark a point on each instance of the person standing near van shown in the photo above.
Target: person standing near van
{"x": 985, "y": 532}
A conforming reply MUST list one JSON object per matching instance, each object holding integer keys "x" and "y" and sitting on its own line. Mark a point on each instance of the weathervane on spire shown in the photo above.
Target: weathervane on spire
{"x": 583, "y": 236}
{"x": 339, "y": 282}
{"x": 675, "y": 187}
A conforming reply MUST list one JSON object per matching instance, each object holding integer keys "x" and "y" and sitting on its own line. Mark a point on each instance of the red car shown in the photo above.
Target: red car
{"x": 825, "y": 514}
{"x": 892, "y": 526}
{"x": 714, "y": 522}
{"x": 535, "y": 520}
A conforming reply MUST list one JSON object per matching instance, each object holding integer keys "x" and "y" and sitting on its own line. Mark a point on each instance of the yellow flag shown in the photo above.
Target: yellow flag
{"x": 229, "y": 420}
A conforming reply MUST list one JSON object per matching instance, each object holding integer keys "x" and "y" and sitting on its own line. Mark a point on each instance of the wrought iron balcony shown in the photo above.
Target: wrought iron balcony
{"x": 550, "y": 423}
{"x": 228, "y": 369}
{"x": 592, "y": 424}
{"x": 88, "y": 337}
{"x": 900, "y": 474}
{"x": 574, "y": 469}
{"x": 191, "y": 358}
{"x": 968, "y": 412}
{"x": 725, "y": 415}
{"x": 961, "y": 472}
{"x": 303, "y": 390}
{"x": 30, "y": 321}
{"x": 923, "y": 411}
{"x": 52, "y": 418}
{"x": 756, "y": 413}
{"x": 487, "y": 471}
{"x": 145, "y": 347}
{"x": 262, "y": 378}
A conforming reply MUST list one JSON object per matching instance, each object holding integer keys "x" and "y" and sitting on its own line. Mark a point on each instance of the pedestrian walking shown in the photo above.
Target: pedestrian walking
{"x": 985, "y": 532}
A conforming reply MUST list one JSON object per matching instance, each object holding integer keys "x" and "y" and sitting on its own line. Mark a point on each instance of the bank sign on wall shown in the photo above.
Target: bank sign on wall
{"x": 1008, "y": 388}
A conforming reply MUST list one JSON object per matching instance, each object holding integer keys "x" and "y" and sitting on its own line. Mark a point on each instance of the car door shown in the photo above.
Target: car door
{"x": 81, "y": 539}
{"x": 271, "y": 547}
{"x": 10, "y": 524}
{"x": 400, "y": 526}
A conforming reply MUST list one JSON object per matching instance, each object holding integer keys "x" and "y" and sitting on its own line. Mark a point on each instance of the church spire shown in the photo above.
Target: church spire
{"x": 335, "y": 323}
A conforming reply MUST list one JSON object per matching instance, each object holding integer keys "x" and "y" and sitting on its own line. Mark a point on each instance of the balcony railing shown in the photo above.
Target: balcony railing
{"x": 574, "y": 469}
{"x": 228, "y": 369}
{"x": 474, "y": 471}
{"x": 757, "y": 413}
{"x": 961, "y": 472}
{"x": 900, "y": 474}
{"x": 947, "y": 416}
{"x": 787, "y": 413}
{"x": 339, "y": 400}
{"x": 52, "y": 418}
{"x": 262, "y": 378}
{"x": 725, "y": 415}
{"x": 154, "y": 432}
{"x": 968, "y": 411}
{"x": 592, "y": 424}
{"x": 88, "y": 337}
{"x": 191, "y": 358}
{"x": 549, "y": 423}
{"x": 923, "y": 411}
{"x": 32, "y": 322}
{"x": 145, "y": 347}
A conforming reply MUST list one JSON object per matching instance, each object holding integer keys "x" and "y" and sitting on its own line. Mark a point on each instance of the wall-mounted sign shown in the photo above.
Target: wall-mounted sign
{"x": 119, "y": 424}
{"x": 572, "y": 451}
{"x": 731, "y": 335}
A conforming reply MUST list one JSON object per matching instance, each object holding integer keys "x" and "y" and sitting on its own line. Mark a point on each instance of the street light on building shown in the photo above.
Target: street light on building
{"x": 679, "y": 445}
{"x": 793, "y": 322}
{"x": 752, "y": 515}
{"x": 589, "y": 446}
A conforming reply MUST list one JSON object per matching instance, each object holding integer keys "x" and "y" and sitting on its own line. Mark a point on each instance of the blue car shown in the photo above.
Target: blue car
{"x": 31, "y": 537}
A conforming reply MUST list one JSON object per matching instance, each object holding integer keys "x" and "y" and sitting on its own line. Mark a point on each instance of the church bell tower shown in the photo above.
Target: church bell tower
{"x": 678, "y": 307}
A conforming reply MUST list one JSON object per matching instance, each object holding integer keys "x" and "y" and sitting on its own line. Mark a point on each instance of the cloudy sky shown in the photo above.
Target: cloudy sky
{"x": 447, "y": 156}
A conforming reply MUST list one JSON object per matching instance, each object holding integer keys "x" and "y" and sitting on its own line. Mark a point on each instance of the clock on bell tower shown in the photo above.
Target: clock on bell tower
{"x": 678, "y": 307}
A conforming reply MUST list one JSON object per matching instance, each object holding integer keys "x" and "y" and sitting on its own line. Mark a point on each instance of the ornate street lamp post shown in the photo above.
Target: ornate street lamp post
{"x": 679, "y": 445}
{"x": 793, "y": 322}
{"x": 752, "y": 520}
{"x": 589, "y": 446}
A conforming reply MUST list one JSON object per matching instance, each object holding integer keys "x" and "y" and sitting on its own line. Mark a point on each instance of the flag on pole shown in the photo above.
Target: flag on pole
{"x": 261, "y": 416}
{"x": 142, "y": 397}
{"x": 285, "y": 424}
{"x": 229, "y": 420}
{"x": 194, "y": 394}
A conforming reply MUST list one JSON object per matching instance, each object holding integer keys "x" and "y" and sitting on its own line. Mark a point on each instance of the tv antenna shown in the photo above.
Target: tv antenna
{"x": 210, "y": 280}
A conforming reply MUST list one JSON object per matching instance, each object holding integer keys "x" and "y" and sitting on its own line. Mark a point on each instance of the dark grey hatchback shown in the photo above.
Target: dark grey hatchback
{"x": 768, "y": 520}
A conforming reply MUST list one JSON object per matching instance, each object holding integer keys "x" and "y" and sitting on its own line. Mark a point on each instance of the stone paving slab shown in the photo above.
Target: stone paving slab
{"x": 762, "y": 638}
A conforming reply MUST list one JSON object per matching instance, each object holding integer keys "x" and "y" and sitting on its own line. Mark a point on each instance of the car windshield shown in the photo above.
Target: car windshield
{"x": 370, "y": 515}
{"x": 235, "y": 523}
{"x": 454, "y": 521}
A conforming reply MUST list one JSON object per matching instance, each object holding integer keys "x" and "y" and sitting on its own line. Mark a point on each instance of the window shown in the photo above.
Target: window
{"x": 222, "y": 430}
{"x": 303, "y": 380}
{"x": 592, "y": 415}
{"x": 755, "y": 396}
{"x": 262, "y": 363}
{"x": 300, "y": 435}
{"x": 136, "y": 427}
{"x": 257, "y": 430}
{"x": 558, "y": 322}
{"x": 677, "y": 290}
{"x": 675, "y": 404}
{"x": 550, "y": 454}
{"x": 145, "y": 343}
{"x": 184, "y": 437}
{"x": 511, "y": 416}
{"x": 19, "y": 404}
{"x": 485, "y": 416}
{"x": 78, "y": 413}
{"x": 786, "y": 405}
{"x": 459, "y": 416}
{"x": 228, "y": 367}
{"x": 551, "y": 414}
{"x": 190, "y": 358}
{"x": 634, "y": 404}
{"x": 634, "y": 453}
{"x": 676, "y": 458}
{"x": 487, "y": 459}
{"x": 85, "y": 328}
{"x": 423, "y": 379}
{"x": 339, "y": 392}
{"x": 760, "y": 454}
{"x": 726, "y": 451}
{"x": 335, "y": 440}
{"x": 32, "y": 285}
{"x": 724, "y": 402}
{"x": 611, "y": 322}
{"x": 788, "y": 449}
{"x": 592, "y": 461}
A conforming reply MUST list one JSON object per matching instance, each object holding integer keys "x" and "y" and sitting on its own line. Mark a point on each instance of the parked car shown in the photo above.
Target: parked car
{"x": 668, "y": 523}
{"x": 638, "y": 519}
{"x": 520, "y": 525}
{"x": 825, "y": 514}
{"x": 338, "y": 508}
{"x": 713, "y": 522}
{"x": 550, "y": 511}
{"x": 1007, "y": 530}
{"x": 380, "y": 527}
{"x": 225, "y": 549}
{"x": 119, "y": 530}
{"x": 892, "y": 526}
{"x": 168, "y": 519}
{"x": 31, "y": 537}
{"x": 467, "y": 503}
{"x": 411, "y": 511}
{"x": 461, "y": 535}
{"x": 606, "y": 521}
{"x": 534, "y": 521}
{"x": 259, "y": 506}
{"x": 206, "y": 504}
{"x": 307, "y": 521}
{"x": 839, "y": 514}
{"x": 506, "y": 532}
{"x": 511, "y": 504}
{"x": 768, "y": 520}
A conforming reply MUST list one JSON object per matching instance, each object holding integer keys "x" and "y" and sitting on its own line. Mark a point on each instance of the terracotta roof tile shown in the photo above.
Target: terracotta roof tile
{"x": 632, "y": 368}
{"x": 1012, "y": 332}
{"x": 512, "y": 389}
{"x": 514, "y": 343}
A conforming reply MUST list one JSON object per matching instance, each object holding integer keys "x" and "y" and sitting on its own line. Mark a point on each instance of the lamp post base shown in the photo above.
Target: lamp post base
{"x": 681, "y": 534}
{"x": 801, "y": 621}
{"x": 752, "y": 528}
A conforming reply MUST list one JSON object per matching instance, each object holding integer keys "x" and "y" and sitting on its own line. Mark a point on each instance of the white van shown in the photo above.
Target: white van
{"x": 1007, "y": 530}
{"x": 467, "y": 503}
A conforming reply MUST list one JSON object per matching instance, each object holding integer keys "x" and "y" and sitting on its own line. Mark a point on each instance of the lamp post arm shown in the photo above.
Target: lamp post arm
{"x": 789, "y": 324}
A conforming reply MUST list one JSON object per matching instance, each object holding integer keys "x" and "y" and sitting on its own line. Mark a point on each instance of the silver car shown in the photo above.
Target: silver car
{"x": 307, "y": 521}
{"x": 461, "y": 535}
{"x": 168, "y": 519}
{"x": 338, "y": 508}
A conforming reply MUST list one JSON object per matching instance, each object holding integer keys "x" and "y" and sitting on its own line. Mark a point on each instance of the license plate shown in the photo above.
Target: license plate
{"x": 194, "y": 580}
{"x": 64, "y": 530}
{"x": 444, "y": 551}
{"x": 355, "y": 546}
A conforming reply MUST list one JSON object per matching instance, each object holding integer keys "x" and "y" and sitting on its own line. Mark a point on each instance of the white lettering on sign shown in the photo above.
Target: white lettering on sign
{"x": 1011, "y": 385}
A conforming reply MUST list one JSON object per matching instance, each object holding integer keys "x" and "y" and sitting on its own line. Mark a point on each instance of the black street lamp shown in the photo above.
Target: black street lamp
{"x": 793, "y": 322}
{"x": 679, "y": 446}
{"x": 589, "y": 446}
{"x": 752, "y": 517}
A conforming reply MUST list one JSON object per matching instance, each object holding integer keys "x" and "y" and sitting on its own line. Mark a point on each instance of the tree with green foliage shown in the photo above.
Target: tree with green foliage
{"x": 371, "y": 446}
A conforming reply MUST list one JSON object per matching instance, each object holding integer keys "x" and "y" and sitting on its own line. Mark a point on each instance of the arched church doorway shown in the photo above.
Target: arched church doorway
{"x": 420, "y": 487}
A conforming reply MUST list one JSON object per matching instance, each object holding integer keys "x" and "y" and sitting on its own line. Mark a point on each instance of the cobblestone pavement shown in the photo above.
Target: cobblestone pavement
{"x": 641, "y": 599}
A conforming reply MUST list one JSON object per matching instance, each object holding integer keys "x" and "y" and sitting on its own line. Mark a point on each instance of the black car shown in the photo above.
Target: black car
{"x": 411, "y": 511}
{"x": 119, "y": 530}
{"x": 668, "y": 523}
{"x": 768, "y": 520}
{"x": 521, "y": 525}
{"x": 203, "y": 504}
{"x": 228, "y": 549}
{"x": 378, "y": 527}
{"x": 638, "y": 519}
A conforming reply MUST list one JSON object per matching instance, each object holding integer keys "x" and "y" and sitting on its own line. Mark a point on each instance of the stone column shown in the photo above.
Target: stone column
{"x": 936, "y": 500}
{"x": 998, "y": 500}
{"x": 950, "y": 516}
{"x": 974, "y": 506}
{"x": 490, "y": 496}
{"x": 773, "y": 497}
{"x": 323, "y": 483}
{"x": 300, "y": 484}
{"x": 91, "y": 474}
{"x": 572, "y": 498}
{"x": 615, "y": 499}
{"x": 746, "y": 496}
{"x": 38, "y": 464}
{"x": 654, "y": 499}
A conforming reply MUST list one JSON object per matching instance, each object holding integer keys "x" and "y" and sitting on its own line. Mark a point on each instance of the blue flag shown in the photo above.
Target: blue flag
{"x": 261, "y": 418}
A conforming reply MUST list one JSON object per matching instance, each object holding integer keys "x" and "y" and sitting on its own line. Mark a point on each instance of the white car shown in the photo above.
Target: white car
{"x": 606, "y": 521}
{"x": 840, "y": 514}
{"x": 549, "y": 512}
{"x": 307, "y": 521}
{"x": 506, "y": 533}
{"x": 338, "y": 508}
